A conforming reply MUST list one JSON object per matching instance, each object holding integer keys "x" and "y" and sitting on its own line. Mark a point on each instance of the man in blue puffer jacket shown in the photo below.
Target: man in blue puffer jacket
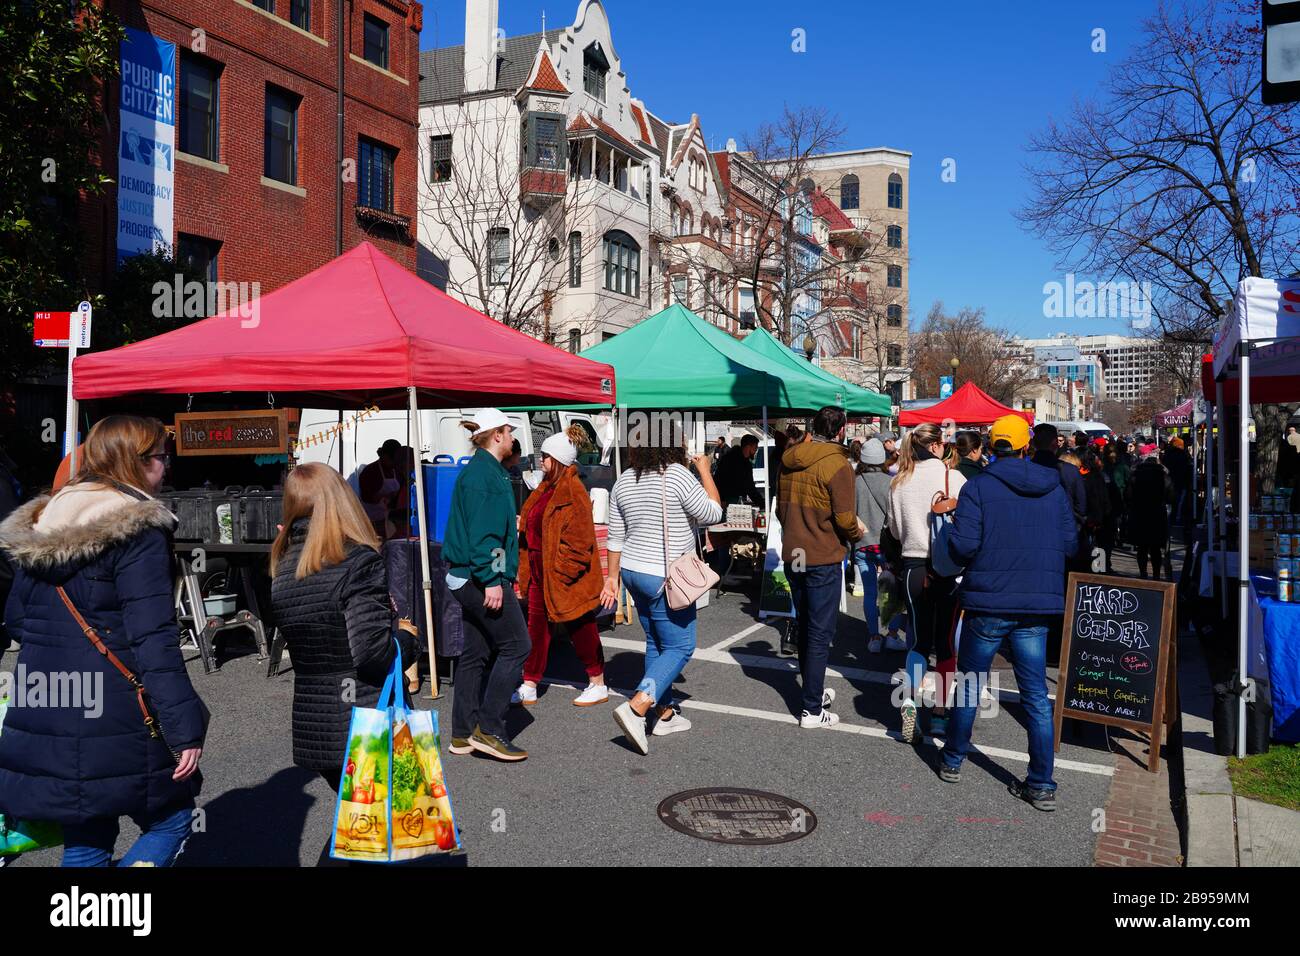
{"x": 1013, "y": 531}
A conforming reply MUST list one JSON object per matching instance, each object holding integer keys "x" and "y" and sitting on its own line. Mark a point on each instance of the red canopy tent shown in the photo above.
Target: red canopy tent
{"x": 358, "y": 330}
{"x": 969, "y": 405}
{"x": 1274, "y": 377}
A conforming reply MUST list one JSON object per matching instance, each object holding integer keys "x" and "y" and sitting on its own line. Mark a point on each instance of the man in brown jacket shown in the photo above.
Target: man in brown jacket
{"x": 817, "y": 511}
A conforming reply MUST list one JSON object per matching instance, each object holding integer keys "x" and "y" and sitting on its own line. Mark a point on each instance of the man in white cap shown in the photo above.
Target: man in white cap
{"x": 481, "y": 548}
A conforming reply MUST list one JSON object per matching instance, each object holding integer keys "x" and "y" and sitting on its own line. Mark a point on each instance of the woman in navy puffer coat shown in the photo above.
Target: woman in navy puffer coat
{"x": 83, "y": 757}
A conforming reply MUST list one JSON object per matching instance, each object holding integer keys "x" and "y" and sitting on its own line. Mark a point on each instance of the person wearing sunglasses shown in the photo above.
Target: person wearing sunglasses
{"x": 100, "y": 551}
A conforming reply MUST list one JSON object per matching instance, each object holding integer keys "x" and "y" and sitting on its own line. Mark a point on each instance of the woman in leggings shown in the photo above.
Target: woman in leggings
{"x": 922, "y": 480}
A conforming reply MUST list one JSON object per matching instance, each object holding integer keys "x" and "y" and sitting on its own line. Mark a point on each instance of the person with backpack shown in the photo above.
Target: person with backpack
{"x": 1013, "y": 532}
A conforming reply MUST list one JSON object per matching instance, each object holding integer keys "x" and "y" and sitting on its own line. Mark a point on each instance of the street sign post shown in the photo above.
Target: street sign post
{"x": 71, "y": 331}
{"x": 1280, "y": 63}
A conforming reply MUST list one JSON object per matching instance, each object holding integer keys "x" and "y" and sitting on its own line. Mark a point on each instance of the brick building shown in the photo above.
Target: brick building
{"x": 256, "y": 144}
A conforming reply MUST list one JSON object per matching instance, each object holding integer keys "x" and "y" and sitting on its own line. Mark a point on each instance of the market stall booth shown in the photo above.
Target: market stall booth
{"x": 359, "y": 332}
{"x": 1256, "y": 359}
{"x": 969, "y": 405}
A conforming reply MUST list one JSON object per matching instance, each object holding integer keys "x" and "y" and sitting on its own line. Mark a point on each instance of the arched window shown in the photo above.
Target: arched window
{"x": 895, "y": 191}
{"x": 806, "y": 185}
{"x": 849, "y": 192}
{"x": 575, "y": 341}
{"x": 894, "y": 237}
{"x": 894, "y": 316}
{"x": 622, "y": 264}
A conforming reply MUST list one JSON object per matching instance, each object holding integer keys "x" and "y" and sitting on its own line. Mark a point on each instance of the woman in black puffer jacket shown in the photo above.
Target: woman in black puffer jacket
{"x": 329, "y": 598}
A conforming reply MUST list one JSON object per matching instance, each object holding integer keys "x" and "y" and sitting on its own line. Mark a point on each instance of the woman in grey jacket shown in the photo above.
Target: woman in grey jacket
{"x": 871, "y": 491}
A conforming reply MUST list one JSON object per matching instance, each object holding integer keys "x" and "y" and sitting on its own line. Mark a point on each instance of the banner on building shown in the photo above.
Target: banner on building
{"x": 146, "y": 150}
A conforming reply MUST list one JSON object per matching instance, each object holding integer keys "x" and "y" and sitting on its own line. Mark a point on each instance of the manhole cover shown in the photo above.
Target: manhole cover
{"x": 733, "y": 815}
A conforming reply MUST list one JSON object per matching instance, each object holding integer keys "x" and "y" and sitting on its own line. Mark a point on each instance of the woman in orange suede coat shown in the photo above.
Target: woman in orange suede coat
{"x": 559, "y": 572}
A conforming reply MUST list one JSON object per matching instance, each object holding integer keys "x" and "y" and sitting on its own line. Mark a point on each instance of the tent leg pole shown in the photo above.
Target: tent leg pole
{"x": 618, "y": 464}
{"x": 1222, "y": 476}
{"x": 426, "y": 585}
{"x": 767, "y": 479}
{"x": 1243, "y": 538}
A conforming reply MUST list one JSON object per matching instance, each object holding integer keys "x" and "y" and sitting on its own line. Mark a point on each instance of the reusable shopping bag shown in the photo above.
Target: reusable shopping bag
{"x": 393, "y": 805}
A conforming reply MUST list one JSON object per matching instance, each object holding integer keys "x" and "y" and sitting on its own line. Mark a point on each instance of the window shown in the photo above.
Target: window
{"x": 594, "y": 67}
{"x": 281, "y": 153}
{"x": 300, "y": 14}
{"x": 575, "y": 260}
{"x": 622, "y": 264}
{"x": 267, "y": 5}
{"x": 679, "y": 289}
{"x": 894, "y": 354}
{"x": 200, "y": 88}
{"x": 543, "y": 141}
{"x": 895, "y": 191}
{"x": 745, "y": 308}
{"x": 894, "y": 277}
{"x": 498, "y": 256}
{"x": 849, "y": 192}
{"x": 894, "y": 237}
{"x": 553, "y": 249}
{"x": 199, "y": 254}
{"x": 439, "y": 159}
{"x": 575, "y": 341}
{"x": 894, "y": 316}
{"x": 376, "y": 41}
{"x": 375, "y": 175}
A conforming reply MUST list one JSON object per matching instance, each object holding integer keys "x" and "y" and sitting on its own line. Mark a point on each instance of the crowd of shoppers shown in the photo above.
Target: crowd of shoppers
{"x": 972, "y": 535}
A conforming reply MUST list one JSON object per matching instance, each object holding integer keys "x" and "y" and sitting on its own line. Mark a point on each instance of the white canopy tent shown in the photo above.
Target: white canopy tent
{"x": 1253, "y": 337}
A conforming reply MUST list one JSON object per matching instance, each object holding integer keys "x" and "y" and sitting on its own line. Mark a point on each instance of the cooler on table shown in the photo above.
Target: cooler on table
{"x": 439, "y": 482}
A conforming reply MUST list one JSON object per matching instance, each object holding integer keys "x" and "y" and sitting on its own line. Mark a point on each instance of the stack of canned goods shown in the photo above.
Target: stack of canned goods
{"x": 1287, "y": 566}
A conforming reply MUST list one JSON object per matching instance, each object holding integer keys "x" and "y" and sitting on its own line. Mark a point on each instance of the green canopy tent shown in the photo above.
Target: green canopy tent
{"x": 854, "y": 399}
{"x": 676, "y": 360}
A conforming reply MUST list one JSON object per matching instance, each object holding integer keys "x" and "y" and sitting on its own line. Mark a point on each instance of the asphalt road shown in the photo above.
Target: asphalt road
{"x": 584, "y": 798}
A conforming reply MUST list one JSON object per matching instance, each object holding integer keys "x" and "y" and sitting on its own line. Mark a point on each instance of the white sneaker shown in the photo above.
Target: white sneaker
{"x": 594, "y": 694}
{"x": 633, "y": 726}
{"x": 895, "y": 643}
{"x": 873, "y": 645}
{"x": 673, "y": 725}
{"x": 812, "y": 721}
{"x": 909, "y": 728}
{"x": 526, "y": 695}
{"x": 828, "y": 697}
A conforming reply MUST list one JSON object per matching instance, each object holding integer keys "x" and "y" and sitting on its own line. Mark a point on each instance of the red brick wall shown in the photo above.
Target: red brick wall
{"x": 269, "y": 235}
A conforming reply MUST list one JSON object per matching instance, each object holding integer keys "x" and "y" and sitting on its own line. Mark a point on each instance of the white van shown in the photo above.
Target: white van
{"x": 440, "y": 434}
{"x": 1091, "y": 429}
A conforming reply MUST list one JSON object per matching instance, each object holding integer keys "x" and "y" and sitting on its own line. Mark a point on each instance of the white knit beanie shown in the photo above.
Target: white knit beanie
{"x": 560, "y": 448}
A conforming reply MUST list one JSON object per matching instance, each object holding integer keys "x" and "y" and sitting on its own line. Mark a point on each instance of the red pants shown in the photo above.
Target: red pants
{"x": 583, "y": 632}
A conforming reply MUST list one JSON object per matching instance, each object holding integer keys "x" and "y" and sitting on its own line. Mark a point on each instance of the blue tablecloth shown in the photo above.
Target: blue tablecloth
{"x": 1281, "y": 629}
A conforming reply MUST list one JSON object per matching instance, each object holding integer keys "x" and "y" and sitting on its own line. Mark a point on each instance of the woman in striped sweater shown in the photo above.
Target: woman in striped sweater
{"x": 657, "y": 487}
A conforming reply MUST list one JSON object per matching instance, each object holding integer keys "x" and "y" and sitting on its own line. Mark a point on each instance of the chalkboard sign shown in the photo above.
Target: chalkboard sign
{"x": 1116, "y": 648}
{"x": 261, "y": 431}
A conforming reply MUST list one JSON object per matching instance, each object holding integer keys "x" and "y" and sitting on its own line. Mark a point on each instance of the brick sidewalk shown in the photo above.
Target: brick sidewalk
{"x": 1140, "y": 828}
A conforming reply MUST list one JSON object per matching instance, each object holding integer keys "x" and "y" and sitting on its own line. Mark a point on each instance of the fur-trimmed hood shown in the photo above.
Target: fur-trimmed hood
{"x": 77, "y": 525}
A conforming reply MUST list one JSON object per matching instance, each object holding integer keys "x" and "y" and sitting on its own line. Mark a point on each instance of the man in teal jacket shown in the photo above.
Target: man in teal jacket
{"x": 481, "y": 548}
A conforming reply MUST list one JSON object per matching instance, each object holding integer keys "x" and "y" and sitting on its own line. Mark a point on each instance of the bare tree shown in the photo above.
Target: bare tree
{"x": 1180, "y": 178}
{"x": 504, "y": 256}
{"x": 875, "y": 335}
{"x": 987, "y": 355}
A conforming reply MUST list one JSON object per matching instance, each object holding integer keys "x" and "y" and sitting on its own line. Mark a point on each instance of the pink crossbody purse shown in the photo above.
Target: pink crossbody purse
{"x": 688, "y": 578}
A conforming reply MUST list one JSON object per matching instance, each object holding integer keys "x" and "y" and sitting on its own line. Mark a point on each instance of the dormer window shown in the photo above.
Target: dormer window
{"x": 595, "y": 66}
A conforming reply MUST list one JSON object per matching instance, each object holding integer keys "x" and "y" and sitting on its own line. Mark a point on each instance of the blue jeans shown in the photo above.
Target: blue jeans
{"x": 161, "y": 840}
{"x": 669, "y": 634}
{"x": 981, "y": 637}
{"x": 815, "y": 594}
{"x": 868, "y": 564}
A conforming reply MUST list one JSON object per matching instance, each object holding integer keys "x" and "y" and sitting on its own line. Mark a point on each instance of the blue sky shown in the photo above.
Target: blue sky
{"x": 944, "y": 79}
